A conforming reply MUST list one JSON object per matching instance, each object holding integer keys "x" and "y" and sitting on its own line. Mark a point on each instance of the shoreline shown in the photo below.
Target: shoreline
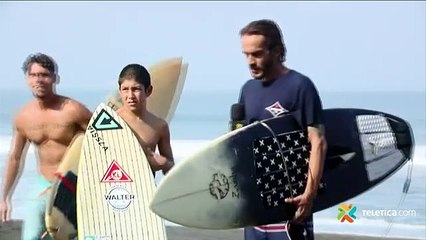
{"x": 12, "y": 231}
{"x": 185, "y": 233}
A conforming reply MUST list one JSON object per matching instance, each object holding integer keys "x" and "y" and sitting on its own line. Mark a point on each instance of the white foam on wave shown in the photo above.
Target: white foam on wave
{"x": 419, "y": 156}
{"x": 372, "y": 227}
{"x": 183, "y": 148}
{"x": 5, "y": 142}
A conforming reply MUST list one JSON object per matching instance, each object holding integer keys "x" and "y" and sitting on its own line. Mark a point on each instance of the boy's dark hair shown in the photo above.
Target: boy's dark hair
{"x": 270, "y": 30}
{"x": 137, "y": 72}
{"x": 44, "y": 60}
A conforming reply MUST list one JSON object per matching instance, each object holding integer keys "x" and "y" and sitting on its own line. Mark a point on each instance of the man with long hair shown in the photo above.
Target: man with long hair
{"x": 274, "y": 90}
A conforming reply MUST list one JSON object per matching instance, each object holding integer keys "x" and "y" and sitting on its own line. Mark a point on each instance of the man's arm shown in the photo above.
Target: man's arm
{"x": 316, "y": 166}
{"x": 316, "y": 159}
{"x": 311, "y": 116}
{"x": 83, "y": 115}
{"x": 19, "y": 143}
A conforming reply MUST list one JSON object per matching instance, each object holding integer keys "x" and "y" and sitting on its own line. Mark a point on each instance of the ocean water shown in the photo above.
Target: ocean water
{"x": 203, "y": 116}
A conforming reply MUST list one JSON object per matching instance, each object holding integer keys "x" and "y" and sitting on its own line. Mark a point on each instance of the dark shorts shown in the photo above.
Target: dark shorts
{"x": 303, "y": 231}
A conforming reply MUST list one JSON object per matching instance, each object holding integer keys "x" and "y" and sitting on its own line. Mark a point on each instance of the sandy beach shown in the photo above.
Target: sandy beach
{"x": 12, "y": 231}
{"x": 183, "y": 233}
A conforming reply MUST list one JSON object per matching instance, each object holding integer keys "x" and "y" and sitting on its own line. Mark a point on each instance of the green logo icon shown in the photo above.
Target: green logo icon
{"x": 104, "y": 121}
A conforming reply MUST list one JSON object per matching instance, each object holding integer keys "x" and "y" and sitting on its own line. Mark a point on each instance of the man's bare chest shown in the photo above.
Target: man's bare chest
{"x": 39, "y": 131}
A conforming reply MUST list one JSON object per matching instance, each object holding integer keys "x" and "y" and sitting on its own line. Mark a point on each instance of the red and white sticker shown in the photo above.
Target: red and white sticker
{"x": 115, "y": 173}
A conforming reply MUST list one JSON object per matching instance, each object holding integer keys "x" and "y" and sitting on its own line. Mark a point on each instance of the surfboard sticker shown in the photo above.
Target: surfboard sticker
{"x": 115, "y": 183}
{"x": 281, "y": 166}
{"x": 379, "y": 145}
{"x": 219, "y": 186}
{"x": 119, "y": 198}
{"x": 115, "y": 173}
{"x": 104, "y": 121}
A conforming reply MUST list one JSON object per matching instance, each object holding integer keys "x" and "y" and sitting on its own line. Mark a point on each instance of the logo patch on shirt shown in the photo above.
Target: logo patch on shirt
{"x": 276, "y": 109}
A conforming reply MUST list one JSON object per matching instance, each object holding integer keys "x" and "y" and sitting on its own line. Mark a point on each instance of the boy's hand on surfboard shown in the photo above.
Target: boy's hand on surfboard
{"x": 5, "y": 211}
{"x": 304, "y": 207}
{"x": 156, "y": 161}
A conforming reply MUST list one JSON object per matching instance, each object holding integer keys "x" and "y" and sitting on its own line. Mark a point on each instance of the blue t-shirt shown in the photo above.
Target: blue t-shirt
{"x": 290, "y": 92}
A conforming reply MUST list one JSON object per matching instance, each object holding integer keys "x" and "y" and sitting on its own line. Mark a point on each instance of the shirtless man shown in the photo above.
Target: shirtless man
{"x": 135, "y": 87}
{"x": 49, "y": 122}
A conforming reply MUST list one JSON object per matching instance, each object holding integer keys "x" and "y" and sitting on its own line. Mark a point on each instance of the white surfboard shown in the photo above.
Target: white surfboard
{"x": 115, "y": 183}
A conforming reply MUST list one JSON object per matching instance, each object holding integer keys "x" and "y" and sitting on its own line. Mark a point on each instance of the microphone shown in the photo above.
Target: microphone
{"x": 237, "y": 116}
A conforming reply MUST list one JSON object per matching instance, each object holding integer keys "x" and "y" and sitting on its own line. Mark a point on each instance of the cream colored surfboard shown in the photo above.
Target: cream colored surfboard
{"x": 61, "y": 224}
{"x": 115, "y": 183}
{"x": 168, "y": 78}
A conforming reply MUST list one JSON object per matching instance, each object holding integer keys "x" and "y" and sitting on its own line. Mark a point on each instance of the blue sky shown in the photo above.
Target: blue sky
{"x": 346, "y": 46}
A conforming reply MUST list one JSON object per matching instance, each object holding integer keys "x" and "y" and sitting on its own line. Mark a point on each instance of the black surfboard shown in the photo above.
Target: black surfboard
{"x": 242, "y": 178}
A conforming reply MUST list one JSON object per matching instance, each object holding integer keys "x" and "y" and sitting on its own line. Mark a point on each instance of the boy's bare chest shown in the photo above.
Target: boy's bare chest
{"x": 145, "y": 132}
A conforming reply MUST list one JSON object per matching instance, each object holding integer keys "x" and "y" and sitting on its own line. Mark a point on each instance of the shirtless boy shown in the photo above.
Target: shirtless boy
{"x": 152, "y": 132}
